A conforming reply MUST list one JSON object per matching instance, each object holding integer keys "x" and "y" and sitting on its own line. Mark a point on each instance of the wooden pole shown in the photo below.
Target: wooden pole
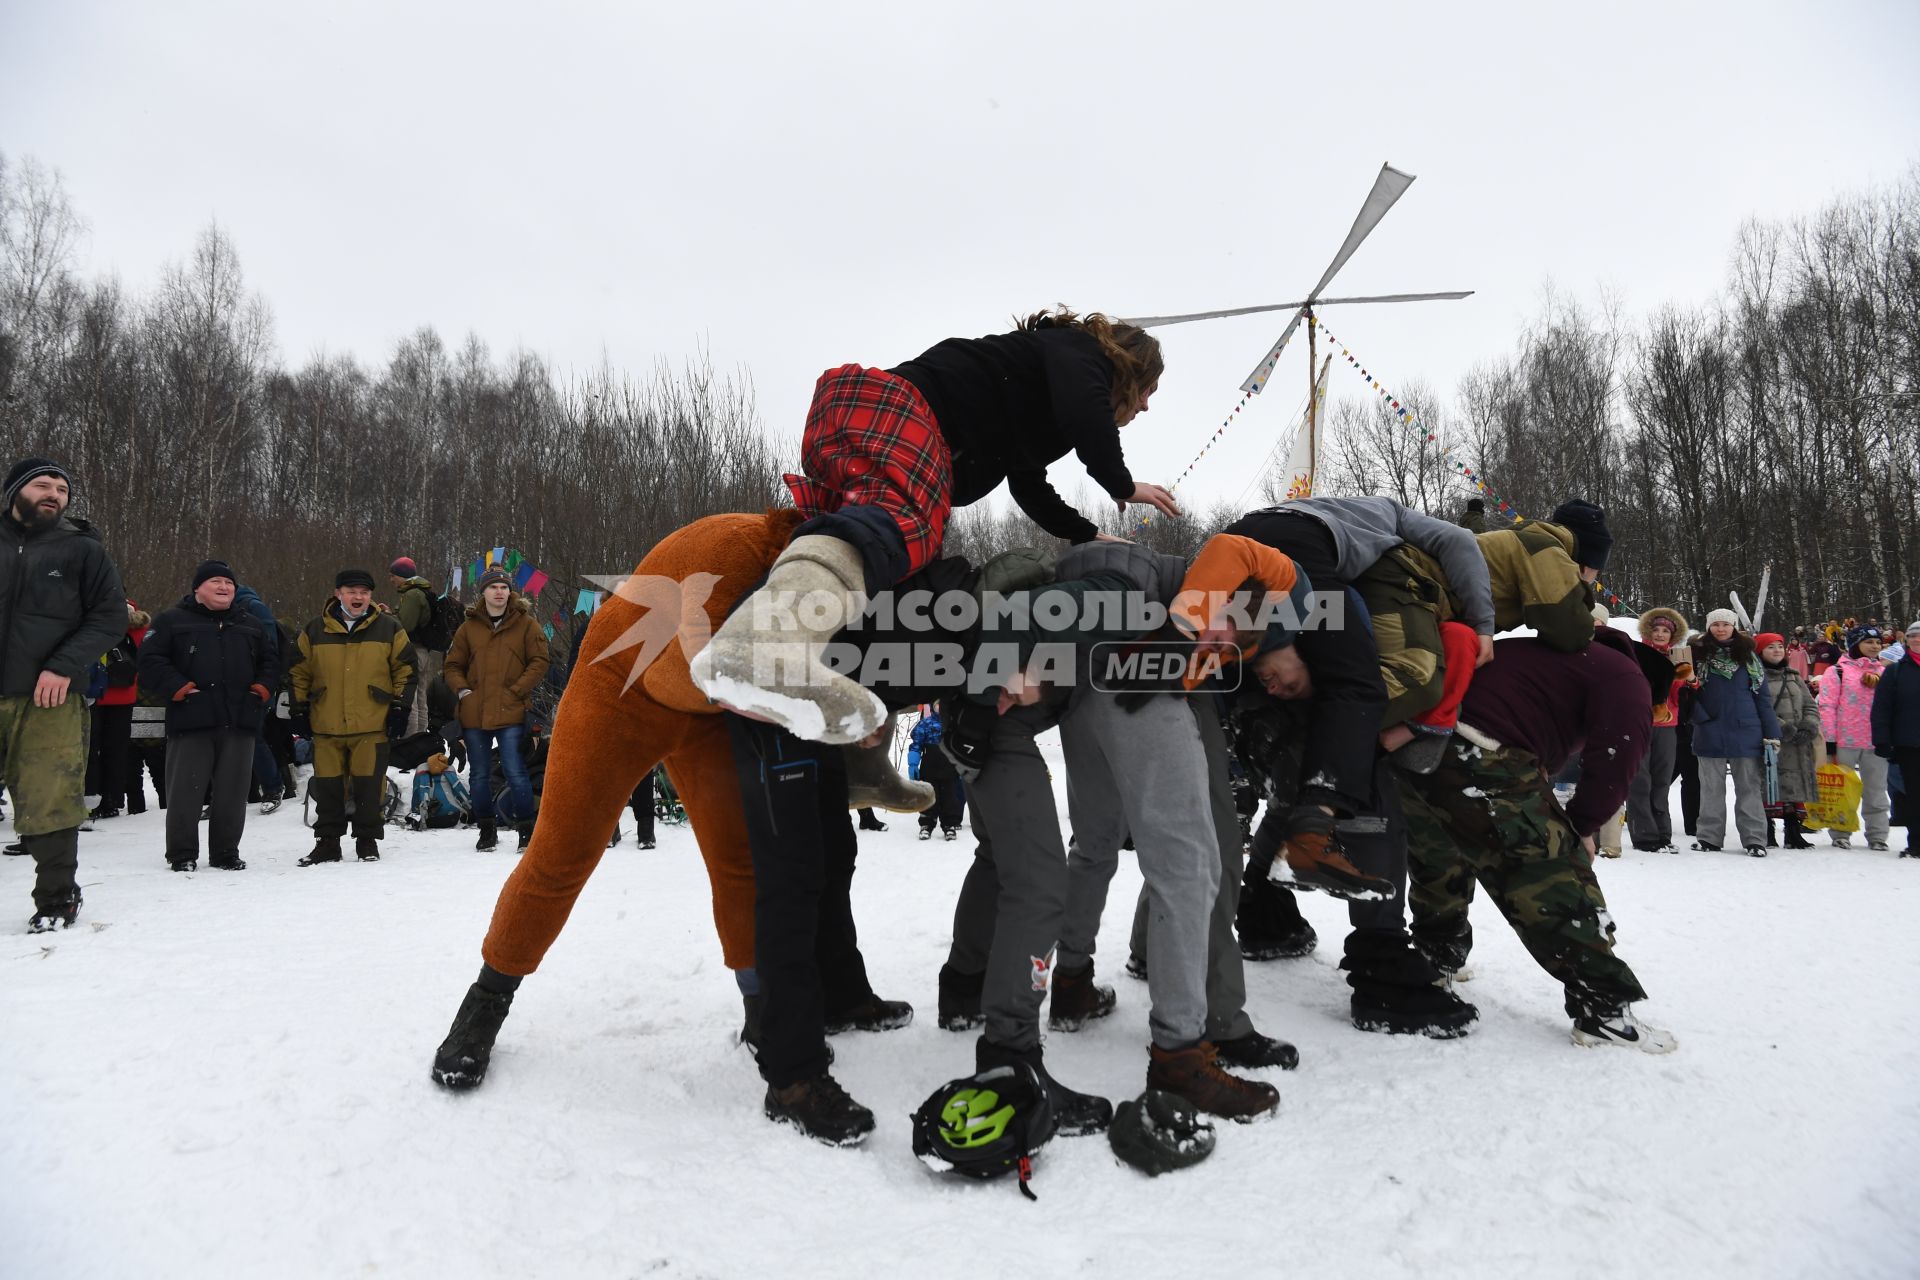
{"x": 1313, "y": 401}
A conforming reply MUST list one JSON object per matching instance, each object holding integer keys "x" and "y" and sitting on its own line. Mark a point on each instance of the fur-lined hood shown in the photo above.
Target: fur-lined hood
{"x": 1678, "y": 619}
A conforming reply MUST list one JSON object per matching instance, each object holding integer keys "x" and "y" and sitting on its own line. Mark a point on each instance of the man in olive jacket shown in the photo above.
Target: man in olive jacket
{"x": 61, "y": 607}
{"x": 496, "y": 661}
{"x": 353, "y": 680}
{"x": 415, "y": 613}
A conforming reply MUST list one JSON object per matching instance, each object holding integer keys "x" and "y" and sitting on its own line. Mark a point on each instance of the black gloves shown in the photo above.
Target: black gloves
{"x": 397, "y": 717}
{"x": 299, "y": 722}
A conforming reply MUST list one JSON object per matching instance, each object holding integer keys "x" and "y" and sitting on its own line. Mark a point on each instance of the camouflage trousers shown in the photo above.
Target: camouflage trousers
{"x": 43, "y": 763}
{"x": 1491, "y": 816}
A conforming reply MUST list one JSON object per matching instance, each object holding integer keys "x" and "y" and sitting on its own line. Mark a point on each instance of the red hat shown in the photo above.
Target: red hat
{"x": 1766, "y": 638}
{"x": 403, "y": 567}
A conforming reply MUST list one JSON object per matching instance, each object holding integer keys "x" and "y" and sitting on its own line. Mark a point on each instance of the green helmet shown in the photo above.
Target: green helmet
{"x": 984, "y": 1125}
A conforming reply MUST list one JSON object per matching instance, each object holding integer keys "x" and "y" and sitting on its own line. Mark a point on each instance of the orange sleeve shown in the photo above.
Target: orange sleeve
{"x": 1217, "y": 572}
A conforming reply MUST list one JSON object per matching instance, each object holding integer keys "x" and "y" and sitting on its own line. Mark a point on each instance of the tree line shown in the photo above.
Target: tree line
{"x": 1774, "y": 426}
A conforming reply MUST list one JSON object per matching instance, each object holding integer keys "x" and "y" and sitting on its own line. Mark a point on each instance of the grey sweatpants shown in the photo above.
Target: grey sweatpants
{"x": 1226, "y": 972}
{"x": 1648, "y": 816}
{"x": 1016, "y": 891}
{"x": 1876, "y": 806}
{"x": 1749, "y": 800}
{"x": 1143, "y": 772}
{"x": 224, "y": 758}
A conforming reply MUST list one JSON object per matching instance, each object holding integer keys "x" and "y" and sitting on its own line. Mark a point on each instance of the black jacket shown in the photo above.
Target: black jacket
{"x": 61, "y": 606}
{"x": 223, "y": 653}
{"x": 1010, "y": 403}
{"x": 1896, "y": 711}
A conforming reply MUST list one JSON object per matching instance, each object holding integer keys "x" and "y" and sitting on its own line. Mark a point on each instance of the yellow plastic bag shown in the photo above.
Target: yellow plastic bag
{"x": 1838, "y": 808}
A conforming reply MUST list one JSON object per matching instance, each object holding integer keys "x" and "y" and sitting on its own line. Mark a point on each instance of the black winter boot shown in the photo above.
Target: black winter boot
{"x": 1269, "y": 922}
{"x": 871, "y": 1014}
{"x": 227, "y": 862}
{"x": 1254, "y": 1050}
{"x": 821, "y": 1109}
{"x": 525, "y": 830}
{"x": 1074, "y": 1113}
{"x": 489, "y": 837}
{"x": 960, "y": 999}
{"x": 325, "y": 849}
{"x": 367, "y": 849}
{"x": 59, "y": 916}
{"x": 461, "y": 1062}
{"x": 750, "y": 1026}
{"x": 1399, "y": 991}
{"x": 1796, "y": 834}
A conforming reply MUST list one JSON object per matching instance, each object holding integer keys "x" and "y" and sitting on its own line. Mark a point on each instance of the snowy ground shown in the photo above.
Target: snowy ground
{"x": 226, "y": 1075}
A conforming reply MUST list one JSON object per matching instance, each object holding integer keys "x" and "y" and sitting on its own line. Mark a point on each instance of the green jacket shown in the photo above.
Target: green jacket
{"x": 350, "y": 680}
{"x": 415, "y": 609}
{"x": 1536, "y": 583}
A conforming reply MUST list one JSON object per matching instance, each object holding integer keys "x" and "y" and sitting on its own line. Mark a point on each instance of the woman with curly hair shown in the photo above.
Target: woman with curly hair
{"x": 887, "y": 454}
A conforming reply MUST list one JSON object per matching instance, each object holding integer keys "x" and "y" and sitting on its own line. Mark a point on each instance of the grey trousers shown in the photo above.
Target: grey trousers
{"x": 1226, "y": 972}
{"x": 1876, "y": 806}
{"x": 430, "y": 662}
{"x": 1648, "y": 820}
{"x": 1144, "y": 772}
{"x": 224, "y": 758}
{"x": 1008, "y": 917}
{"x": 1749, "y": 800}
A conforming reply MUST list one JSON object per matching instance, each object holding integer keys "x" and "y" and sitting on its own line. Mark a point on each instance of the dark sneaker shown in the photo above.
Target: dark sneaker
{"x": 489, "y": 838}
{"x": 269, "y": 806}
{"x": 1701, "y": 846}
{"x": 821, "y": 1109}
{"x": 950, "y": 833}
{"x": 325, "y": 849}
{"x": 461, "y": 1061}
{"x": 960, "y": 999}
{"x": 1074, "y": 1113}
{"x": 1624, "y": 1030}
{"x": 57, "y": 917}
{"x": 103, "y": 812}
{"x": 227, "y": 862}
{"x": 367, "y": 849}
{"x": 1269, "y": 923}
{"x": 1253, "y": 1050}
{"x": 18, "y": 849}
{"x": 1195, "y": 1074}
{"x": 1756, "y": 851}
{"x": 1137, "y": 968}
{"x": 873, "y": 1014}
{"x": 1077, "y": 998}
{"x": 183, "y": 864}
{"x": 926, "y": 833}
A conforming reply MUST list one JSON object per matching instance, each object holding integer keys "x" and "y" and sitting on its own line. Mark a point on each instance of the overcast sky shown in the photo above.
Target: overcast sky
{"x": 796, "y": 186}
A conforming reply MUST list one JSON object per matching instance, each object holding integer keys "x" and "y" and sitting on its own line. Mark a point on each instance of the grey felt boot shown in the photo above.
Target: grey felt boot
{"x": 873, "y": 782}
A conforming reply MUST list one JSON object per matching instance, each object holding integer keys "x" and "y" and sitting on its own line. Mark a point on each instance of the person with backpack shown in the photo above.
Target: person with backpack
{"x": 497, "y": 658}
{"x": 429, "y": 619}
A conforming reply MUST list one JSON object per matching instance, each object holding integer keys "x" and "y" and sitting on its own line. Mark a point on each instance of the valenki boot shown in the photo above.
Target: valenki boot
{"x": 873, "y": 782}
{"x": 764, "y": 661}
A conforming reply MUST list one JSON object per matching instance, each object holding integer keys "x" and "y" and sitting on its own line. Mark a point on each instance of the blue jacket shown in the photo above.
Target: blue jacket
{"x": 1731, "y": 717}
{"x": 1896, "y": 707}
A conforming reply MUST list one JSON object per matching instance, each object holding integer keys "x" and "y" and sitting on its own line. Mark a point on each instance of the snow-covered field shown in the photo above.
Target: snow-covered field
{"x": 226, "y": 1075}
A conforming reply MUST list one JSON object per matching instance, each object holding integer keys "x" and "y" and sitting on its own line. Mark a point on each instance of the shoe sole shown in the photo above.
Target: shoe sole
{"x": 842, "y": 1143}
{"x": 1355, "y": 892}
{"x": 841, "y": 1028}
{"x": 1287, "y": 1062}
{"x": 457, "y": 1081}
{"x": 1586, "y": 1041}
{"x": 1431, "y": 1030}
{"x": 962, "y": 1022}
{"x": 1074, "y": 1024}
{"x": 1292, "y": 951}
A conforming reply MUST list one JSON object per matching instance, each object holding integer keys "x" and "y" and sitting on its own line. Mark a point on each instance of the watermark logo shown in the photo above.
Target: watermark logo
{"x": 1122, "y": 667}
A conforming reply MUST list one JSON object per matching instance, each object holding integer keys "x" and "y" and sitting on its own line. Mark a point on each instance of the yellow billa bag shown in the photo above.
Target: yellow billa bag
{"x": 1838, "y": 808}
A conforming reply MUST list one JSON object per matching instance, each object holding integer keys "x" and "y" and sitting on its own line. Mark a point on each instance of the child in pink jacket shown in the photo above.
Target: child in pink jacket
{"x": 1846, "y": 706}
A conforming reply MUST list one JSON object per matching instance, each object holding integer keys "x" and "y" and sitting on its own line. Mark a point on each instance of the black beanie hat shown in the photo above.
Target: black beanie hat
{"x": 353, "y": 578}
{"x": 28, "y": 470}
{"x": 1588, "y": 525}
{"x": 213, "y": 569}
{"x": 1476, "y": 504}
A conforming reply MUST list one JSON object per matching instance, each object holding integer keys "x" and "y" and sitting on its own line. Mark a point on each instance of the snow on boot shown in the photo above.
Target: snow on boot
{"x": 1077, "y": 998}
{"x": 226, "y": 862}
{"x": 1756, "y": 851}
{"x": 59, "y": 916}
{"x": 821, "y": 1109}
{"x": 926, "y": 833}
{"x": 764, "y": 661}
{"x": 1195, "y": 1074}
{"x": 871, "y": 1014}
{"x": 325, "y": 849}
{"x": 187, "y": 864}
{"x": 1159, "y": 1133}
{"x": 1269, "y": 922}
{"x": 873, "y": 782}
{"x": 1312, "y": 858}
{"x": 1254, "y": 1050}
{"x": 960, "y": 999}
{"x": 489, "y": 837}
{"x": 367, "y": 849}
{"x": 461, "y": 1061}
{"x": 1398, "y": 991}
{"x": 1624, "y": 1030}
{"x": 1701, "y": 846}
{"x": 1074, "y": 1113}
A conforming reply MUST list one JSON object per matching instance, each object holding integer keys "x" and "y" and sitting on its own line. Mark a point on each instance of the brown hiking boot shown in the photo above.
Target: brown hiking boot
{"x": 1315, "y": 860}
{"x": 1076, "y": 999}
{"x": 1194, "y": 1074}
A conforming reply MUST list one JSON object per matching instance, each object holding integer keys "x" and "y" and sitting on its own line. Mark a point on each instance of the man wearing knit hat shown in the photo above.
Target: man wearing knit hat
{"x": 61, "y": 607}
{"x": 210, "y": 664}
{"x": 353, "y": 678}
{"x": 416, "y": 614}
